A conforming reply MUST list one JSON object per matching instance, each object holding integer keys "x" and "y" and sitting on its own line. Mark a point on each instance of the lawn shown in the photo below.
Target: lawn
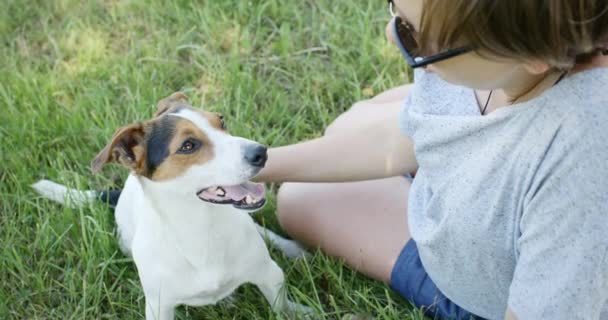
{"x": 73, "y": 71}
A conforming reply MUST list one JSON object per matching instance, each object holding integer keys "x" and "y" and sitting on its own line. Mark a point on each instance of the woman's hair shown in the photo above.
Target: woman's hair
{"x": 561, "y": 33}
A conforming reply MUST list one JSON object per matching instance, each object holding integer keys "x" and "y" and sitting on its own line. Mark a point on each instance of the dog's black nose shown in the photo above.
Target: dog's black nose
{"x": 256, "y": 155}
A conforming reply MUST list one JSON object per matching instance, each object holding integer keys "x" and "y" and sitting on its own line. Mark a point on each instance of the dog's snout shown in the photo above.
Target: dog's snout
{"x": 256, "y": 155}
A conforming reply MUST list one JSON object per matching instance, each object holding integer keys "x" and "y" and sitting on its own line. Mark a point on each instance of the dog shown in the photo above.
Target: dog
{"x": 182, "y": 213}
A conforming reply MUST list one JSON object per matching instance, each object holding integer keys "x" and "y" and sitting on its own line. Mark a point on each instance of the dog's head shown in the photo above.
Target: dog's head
{"x": 189, "y": 151}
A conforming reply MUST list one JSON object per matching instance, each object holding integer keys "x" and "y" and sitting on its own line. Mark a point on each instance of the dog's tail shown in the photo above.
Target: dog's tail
{"x": 72, "y": 197}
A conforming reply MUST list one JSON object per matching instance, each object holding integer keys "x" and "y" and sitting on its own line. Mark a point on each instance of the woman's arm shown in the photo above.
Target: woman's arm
{"x": 377, "y": 150}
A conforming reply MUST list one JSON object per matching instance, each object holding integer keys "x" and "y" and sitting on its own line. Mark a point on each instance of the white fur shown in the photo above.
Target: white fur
{"x": 62, "y": 194}
{"x": 188, "y": 251}
{"x": 290, "y": 249}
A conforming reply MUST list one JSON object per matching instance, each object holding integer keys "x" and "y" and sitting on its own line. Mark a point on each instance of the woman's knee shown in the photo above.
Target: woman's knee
{"x": 380, "y": 108}
{"x": 344, "y": 120}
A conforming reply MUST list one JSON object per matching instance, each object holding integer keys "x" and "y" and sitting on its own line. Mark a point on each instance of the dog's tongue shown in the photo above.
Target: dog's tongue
{"x": 238, "y": 192}
{"x": 233, "y": 193}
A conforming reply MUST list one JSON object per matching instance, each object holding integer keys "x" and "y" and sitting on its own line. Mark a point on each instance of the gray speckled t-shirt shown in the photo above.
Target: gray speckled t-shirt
{"x": 512, "y": 208}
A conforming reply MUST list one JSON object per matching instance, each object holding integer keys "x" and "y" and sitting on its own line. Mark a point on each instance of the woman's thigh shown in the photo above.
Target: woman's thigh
{"x": 365, "y": 223}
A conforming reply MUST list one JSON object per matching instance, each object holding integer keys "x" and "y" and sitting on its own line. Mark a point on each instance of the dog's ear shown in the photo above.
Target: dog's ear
{"x": 126, "y": 148}
{"x": 169, "y": 102}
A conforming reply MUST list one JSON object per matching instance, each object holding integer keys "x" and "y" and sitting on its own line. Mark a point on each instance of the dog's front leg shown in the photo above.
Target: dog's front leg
{"x": 157, "y": 310}
{"x": 290, "y": 248}
{"x": 271, "y": 282}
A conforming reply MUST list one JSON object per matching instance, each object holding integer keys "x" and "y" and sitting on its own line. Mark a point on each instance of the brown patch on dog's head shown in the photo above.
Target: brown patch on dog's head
{"x": 164, "y": 147}
{"x": 171, "y": 156}
{"x": 215, "y": 119}
{"x": 125, "y": 147}
{"x": 178, "y": 100}
{"x": 172, "y": 102}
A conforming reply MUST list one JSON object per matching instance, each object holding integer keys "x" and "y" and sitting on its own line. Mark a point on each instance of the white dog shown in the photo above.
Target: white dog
{"x": 180, "y": 214}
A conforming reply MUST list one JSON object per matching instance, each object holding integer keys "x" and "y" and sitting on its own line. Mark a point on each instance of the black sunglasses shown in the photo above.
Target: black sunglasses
{"x": 408, "y": 44}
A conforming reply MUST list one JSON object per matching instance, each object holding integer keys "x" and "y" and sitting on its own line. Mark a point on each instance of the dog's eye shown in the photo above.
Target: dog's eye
{"x": 189, "y": 146}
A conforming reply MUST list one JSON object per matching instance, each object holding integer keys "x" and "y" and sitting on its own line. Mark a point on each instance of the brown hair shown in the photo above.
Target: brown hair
{"x": 561, "y": 33}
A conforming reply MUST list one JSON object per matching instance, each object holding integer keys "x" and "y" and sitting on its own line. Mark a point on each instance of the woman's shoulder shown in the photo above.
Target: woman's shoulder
{"x": 573, "y": 164}
{"x": 576, "y": 115}
{"x": 581, "y": 103}
{"x": 583, "y": 88}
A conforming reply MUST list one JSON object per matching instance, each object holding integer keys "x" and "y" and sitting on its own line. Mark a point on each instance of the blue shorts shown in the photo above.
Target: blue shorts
{"x": 412, "y": 282}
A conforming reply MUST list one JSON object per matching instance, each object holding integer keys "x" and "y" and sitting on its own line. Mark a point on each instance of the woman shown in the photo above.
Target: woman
{"x": 506, "y": 130}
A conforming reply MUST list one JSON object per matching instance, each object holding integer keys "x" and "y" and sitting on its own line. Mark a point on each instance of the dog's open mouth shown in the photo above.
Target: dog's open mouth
{"x": 246, "y": 196}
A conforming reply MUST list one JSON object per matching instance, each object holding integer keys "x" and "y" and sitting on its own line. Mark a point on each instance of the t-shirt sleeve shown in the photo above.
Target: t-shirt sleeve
{"x": 404, "y": 121}
{"x": 562, "y": 267}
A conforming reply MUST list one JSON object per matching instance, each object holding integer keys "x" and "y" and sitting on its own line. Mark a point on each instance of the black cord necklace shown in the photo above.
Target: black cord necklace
{"x": 483, "y": 111}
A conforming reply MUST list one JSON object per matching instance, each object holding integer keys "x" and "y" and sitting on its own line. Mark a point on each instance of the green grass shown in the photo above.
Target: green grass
{"x": 73, "y": 71}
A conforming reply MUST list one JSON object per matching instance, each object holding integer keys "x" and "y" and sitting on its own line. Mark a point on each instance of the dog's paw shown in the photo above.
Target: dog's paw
{"x": 290, "y": 248}
{"x": 293, "y": 250}
{"x": 229, "y": 302}
{"x": 299, "y": 311}
{"x": 352, "y": 316}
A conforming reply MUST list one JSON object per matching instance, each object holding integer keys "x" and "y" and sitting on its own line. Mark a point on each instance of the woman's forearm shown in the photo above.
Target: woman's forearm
{"x": 369, "y": 153}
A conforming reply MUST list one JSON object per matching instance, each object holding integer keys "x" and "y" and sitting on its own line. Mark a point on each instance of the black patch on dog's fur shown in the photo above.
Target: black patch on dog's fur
{"x": 110, "y": 197}
{"x": 158, "y": 141}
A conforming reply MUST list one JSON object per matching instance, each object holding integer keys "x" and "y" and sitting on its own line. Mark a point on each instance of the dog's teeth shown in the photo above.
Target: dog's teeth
{"x": 220, "y": 192}
{"x": 248, "y": 199}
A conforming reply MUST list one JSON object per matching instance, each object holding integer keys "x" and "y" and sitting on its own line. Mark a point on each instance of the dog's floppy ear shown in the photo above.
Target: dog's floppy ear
{"x": 126, "y": 148}
{"x": 169, "y": 102}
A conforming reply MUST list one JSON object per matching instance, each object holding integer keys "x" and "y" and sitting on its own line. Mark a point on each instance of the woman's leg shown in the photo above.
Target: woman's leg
{"x": 364, "y": 223}
{"x": 381, "y": 108}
